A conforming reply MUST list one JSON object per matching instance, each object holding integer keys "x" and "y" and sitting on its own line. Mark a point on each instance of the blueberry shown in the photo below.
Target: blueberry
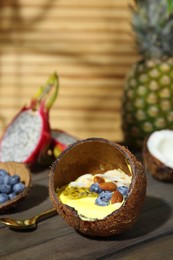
{"x": 100, "y": 202}
{"x": 3, "y": 197}
{"x": 95, "y": 188}
{"x": 105, "y": 196}
{"x": 18, "y": 187}
{"x": 12, "y": 195}
{"x": 14, "y": 179}
{"x": 6, "y": 179}
{"x": 123, "y": 190}
{"x": 1, "y": 179}
{"x": 3, "y": 172}
{"x": 5, "y": 188}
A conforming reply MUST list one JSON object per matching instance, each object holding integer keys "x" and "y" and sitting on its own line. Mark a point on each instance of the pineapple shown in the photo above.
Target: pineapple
{"x": 148, "y": 93}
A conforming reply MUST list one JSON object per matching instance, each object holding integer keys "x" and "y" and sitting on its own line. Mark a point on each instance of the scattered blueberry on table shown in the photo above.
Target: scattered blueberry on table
{"x": 10, "y": 186}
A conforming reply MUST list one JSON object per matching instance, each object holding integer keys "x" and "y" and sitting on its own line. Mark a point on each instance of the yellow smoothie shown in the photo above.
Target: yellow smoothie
{"x": 78, "y": 196}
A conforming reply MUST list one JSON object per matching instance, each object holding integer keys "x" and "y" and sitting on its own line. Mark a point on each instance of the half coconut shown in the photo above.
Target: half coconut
{"x": 158, "y": 155}
{"x": 81, "y": 162}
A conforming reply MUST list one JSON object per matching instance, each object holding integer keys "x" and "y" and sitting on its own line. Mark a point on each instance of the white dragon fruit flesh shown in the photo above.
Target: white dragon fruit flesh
{"x": 61, "y": 140}
{"x": 29, "y": 132}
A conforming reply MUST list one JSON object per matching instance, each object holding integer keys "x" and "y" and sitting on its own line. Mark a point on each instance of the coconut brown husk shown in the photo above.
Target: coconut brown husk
{"x": 155, "y": 167}
{"x": 25, "y": 177}
{"x": 96, "y": 155}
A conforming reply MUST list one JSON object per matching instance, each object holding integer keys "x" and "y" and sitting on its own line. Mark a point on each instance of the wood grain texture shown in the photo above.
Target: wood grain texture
{"x": 89, "y": 44}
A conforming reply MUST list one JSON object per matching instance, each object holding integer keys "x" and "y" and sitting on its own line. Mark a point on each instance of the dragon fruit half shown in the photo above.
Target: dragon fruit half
{"x": 29, "y": 132}
{"x": 60, "y": 141}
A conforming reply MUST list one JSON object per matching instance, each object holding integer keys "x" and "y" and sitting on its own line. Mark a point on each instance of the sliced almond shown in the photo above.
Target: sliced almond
{"x": 116, "y": 197}
{"x": 110, "y": 186}
{"x": 99, "y": 179}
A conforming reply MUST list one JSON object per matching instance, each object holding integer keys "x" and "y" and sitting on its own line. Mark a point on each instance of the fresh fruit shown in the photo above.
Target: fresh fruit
{"x": 157, "y": 155}
{"x": 10, "y": 186}
{"x": 6, "y": 179}
{"x": 14, "y": 179}
{"x": 5, "y": 188}
{"x": 95, "y": 187}
{"x": 1, "y": 180}
{"x": 18, "y": 187}
{"x": 3, "y": 197}
{"x": 23, "y": 171}
{"x": 123, "y": 190}
{"x": 12, "y": 195}
{"x": 60, "y": 141}
{"x": 78, "y": 192}
{"x": 147, "y": 100}
{"x": 101, "y": 202}
{"x": 105, "y": 196}
{"x": 29, "y": 132}
{"x": 3, "y": 172}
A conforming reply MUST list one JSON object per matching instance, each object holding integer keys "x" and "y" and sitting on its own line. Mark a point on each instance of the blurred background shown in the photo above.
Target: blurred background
{"x": 88, "y": 43}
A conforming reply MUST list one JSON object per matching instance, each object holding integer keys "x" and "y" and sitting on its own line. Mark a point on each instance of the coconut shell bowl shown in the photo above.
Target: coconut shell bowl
{"x": 97, "y": 156}
{"x": 157, "y": 155}
{"x": 20, "y": 169}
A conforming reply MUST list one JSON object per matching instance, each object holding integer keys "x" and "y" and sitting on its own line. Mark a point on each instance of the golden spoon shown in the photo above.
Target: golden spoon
{"x": 28, "y": 223}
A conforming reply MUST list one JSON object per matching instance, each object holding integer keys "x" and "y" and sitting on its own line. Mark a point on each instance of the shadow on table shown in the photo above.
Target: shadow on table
{"x": 37, "y": 194}
{"x": 154, "y": 214}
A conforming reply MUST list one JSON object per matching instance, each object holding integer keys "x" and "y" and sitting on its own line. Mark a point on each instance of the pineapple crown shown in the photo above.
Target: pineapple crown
{"x": 152, "y": 22}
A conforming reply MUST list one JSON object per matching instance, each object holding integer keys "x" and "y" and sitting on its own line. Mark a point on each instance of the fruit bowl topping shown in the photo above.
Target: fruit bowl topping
{"x": 61, "y": 140}
{"x": 147, "y": 100}
{"x": 85, "y": 199}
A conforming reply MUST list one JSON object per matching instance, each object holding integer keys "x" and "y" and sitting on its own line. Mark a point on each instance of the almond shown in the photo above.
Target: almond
{"x": 116, "y": 197}
{"x": 110, "y": 186}
{"x": 99, "y": 179}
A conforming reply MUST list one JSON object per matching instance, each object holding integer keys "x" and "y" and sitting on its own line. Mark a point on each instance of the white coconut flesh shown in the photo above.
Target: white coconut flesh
{"x": 21, "y": 137}
{"x": 160, "y": 145}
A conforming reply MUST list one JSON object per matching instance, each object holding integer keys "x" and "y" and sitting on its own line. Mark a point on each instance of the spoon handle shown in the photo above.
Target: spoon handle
{"x": 46, "y": 214}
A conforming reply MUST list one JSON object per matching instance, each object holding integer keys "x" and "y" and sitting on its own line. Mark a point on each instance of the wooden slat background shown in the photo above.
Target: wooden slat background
{"x": 88, "y": 43}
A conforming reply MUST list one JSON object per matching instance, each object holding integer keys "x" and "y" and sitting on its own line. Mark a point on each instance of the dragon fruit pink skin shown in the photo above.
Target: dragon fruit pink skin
{"x": 29, "y": 132}
{"x": 60, "y": 141}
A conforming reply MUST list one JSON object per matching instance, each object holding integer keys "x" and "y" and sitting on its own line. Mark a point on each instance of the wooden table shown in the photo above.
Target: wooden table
{"x": 151, "y": 237}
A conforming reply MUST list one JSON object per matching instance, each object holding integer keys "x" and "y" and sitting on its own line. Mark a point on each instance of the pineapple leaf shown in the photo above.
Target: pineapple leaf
{"x": 170, "y": 6}
{"x": 153, "y": 26}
